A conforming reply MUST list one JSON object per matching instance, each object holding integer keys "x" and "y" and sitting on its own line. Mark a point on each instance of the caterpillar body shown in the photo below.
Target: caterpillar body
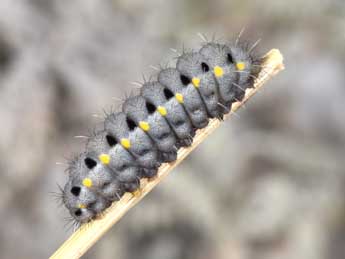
{"x": 154, "y": 124}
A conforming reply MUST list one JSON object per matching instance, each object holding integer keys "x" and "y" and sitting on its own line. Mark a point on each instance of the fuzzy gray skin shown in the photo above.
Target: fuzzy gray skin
{"x": 192, "y": 103}
{"x": 245, "y": 78}
{"x": 94, "y": 204}
{"x": 239, "y": 54}
{"x": 105, "y": 187}
{"x": 150, "y": 147}
{"x": 176, "y": 116}
{"x": 142, "y": 147}
{"x": 99, "y": 174}
{"x": 217, "y": 55}
{"x": 193, "y": 64}
{"x": 122, "y": 163}
{"x": 160, "y": 132}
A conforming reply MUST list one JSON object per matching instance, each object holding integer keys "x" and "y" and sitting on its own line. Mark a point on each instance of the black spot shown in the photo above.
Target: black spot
{"x": 179, "y": 123}
{"x": 230, "y": 58}
{"x": 210, "y": 95}
{"x": 205, "y": 68}
{"x": 111, "y": 140}
{"x": 90, "y": 163}
{"x": 7, "y": 54}
{"x": 78, "y": 212}
{"x": 185, "y": 80}
{"x": 163, "y": 136}
{"x": 131, "y": 124}
{"x": 123, "y": 167}
{"x": 144, "y": 151}
{"x": 168, "y": 94}
{"x": 150, "y": 107}
{"x": 75, "y": 190}
{"x": 105, "y": 185}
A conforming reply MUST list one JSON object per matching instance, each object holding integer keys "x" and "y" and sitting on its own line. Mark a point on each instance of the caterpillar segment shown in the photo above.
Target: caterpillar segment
{"x": 135, "y": 141}
{"x": 145, "y": 116}
{"x": 186, "y": 94}
{"x": 193, "y": 66}
{"x": 167, "y": 106}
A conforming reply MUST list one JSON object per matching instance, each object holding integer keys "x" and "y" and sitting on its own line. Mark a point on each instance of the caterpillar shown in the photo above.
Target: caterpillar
{"x": 155, "y": 123}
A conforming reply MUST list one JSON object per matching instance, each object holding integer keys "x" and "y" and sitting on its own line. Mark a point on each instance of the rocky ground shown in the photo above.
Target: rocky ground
{"x": 269, "y": 184}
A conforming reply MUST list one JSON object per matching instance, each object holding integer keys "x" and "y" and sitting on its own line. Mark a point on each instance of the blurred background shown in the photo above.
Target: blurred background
{"x": 269, "y": 184}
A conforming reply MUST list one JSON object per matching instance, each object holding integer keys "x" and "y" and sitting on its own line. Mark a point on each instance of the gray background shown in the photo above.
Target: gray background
{"x": 269, "y": 184}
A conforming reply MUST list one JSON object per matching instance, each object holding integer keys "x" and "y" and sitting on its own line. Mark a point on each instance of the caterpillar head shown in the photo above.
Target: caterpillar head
{"x": 77, "y": 200}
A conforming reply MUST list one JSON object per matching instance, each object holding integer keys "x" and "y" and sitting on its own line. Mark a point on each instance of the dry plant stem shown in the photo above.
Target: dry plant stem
{"x": 86, "y": 236}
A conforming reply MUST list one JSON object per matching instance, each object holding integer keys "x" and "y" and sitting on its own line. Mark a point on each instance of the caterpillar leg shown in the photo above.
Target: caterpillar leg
{"x": 132, "y": 186}
{"x": 148, "y": 173}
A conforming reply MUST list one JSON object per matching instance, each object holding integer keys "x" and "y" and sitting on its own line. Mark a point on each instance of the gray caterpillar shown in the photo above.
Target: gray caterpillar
{"x": 154, "y": 124}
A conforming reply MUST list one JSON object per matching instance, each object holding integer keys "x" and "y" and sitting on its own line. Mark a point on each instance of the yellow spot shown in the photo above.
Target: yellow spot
{"x": 145, "y": 126}
{"x": 87, "y": 182}
{"x": 196, "y": 81}
{"x": 104, "y": 158}
{"x": 162, "y": 110}
{"x": 218, "y": 71}
{"x": 126, "y": 143}
{"x": 81, "y": 206}
{"x": 179, "y": 97}
{"x": 240, "y": 66}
